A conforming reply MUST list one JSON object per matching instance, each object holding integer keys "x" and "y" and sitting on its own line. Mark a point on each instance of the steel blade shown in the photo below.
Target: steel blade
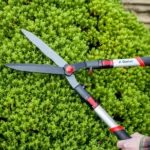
{"x": 51, "y": 54}
{"x": 45, "y": 48}
{"x": 72, "y": 80}
{"x": 37, "y": 68}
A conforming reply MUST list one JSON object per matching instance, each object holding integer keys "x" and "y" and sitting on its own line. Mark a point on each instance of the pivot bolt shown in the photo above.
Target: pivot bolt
{"x": 69, "y": 69}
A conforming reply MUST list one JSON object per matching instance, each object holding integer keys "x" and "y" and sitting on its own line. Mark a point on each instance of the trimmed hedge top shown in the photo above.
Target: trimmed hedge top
{"x": 41, "y": 111}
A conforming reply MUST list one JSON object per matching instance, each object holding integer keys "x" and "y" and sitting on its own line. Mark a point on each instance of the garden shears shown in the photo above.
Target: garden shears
{"x": 66, "y": 69}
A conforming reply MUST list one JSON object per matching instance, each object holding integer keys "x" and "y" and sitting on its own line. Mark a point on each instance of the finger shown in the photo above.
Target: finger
{"x": 126, "y": 148}
{"x": 120, "y": 144}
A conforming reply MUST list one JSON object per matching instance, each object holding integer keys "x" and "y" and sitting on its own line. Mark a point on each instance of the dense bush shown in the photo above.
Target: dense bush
{"x": 41, "y": 111}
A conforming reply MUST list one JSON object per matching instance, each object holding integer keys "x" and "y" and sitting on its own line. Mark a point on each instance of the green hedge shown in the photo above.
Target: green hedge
{"x": 41, "y": 111}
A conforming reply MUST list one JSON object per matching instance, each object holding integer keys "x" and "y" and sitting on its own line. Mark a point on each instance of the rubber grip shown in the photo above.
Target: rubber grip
{"x": 146, "y": 60}
{"x": 94, "y": 64}
{"x": 122, "y": 135}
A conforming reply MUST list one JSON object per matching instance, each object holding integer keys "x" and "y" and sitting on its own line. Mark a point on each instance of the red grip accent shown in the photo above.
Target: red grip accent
{"x": 107, "y": 63}
{"x": 142, "y": 64}
{"x": 92, "y": 102}
{"x": 117, "y": 128}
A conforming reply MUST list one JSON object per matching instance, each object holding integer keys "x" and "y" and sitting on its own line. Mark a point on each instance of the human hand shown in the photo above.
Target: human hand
{"x": 131, "y": 144}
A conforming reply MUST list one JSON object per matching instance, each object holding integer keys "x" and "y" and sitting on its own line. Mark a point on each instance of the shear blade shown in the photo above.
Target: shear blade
{"x": 51, "y": 54}
{"x": 37, "y": 68}
{"x": 45, "y": 48}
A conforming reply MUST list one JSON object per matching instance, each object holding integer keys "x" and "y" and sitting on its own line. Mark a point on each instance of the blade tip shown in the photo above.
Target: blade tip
{"x": 23, "y": 30}
{"x": 6, "y": 65}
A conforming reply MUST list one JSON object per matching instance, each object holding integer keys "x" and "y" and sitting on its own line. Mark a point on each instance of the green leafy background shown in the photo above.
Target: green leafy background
{"x": 42, "y": 111}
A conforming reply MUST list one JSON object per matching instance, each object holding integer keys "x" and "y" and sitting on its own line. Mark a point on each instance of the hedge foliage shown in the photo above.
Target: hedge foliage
{"x": 41, "y": 111}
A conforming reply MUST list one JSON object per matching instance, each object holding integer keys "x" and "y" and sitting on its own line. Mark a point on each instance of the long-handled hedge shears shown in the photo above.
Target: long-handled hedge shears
{"x": 69, "y": 69}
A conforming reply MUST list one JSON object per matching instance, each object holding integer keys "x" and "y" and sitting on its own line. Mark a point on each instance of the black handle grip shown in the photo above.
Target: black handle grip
{"x": 122, "y": 135}
{"x": 146, "y": 61}
{"x": 99, "y": 64}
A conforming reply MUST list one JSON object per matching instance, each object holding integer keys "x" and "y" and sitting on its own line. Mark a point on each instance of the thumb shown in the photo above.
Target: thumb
{"x": 120, "y": 144}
